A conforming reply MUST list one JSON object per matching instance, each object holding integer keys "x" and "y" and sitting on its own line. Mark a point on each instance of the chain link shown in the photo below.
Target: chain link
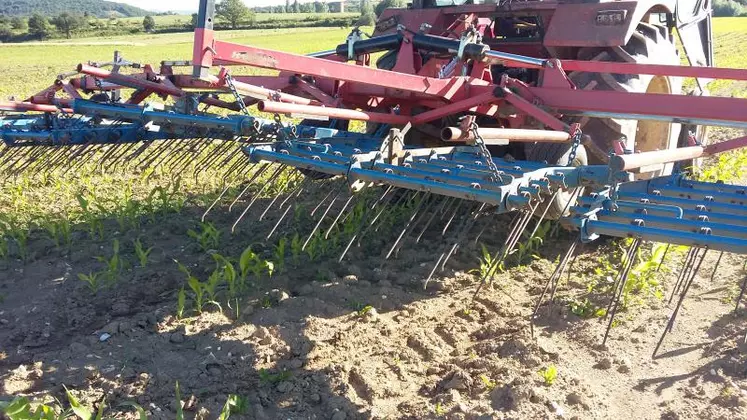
{"x": 577, "y": 135}
{"x": 236, "y": 94}
{"x": 485, "y": 153}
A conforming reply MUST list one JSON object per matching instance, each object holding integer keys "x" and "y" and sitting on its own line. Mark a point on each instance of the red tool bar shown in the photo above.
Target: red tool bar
{"x": 654, "y": 69}
{"x": 512, "y": 134}
{"x": 709, "y": 110}
{"x": 640, "y": 160}
{"x": 25, "y": 106}
{"x": 343, "y": 114}
{"x": 268, "y": 94}
{"x": 726, "y": 146}
{"x": 299, "y": 64}
{"x": 129, "y": 81}
{"x": 454, "y": 108}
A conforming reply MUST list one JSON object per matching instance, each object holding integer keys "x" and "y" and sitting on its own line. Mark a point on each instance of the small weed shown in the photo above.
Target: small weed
{"x": 142, "y": 253}
{"x": 487, "y": 263}
{"x": 586, "y": 309}
{"x": 439, "y": 410}
{"x": 296, "y": 249}
{"x": 488, "y": 383}
{"x": 549, "y": 374}
{"x": 181, "y": 299}
{"x": 273, "y": 378}
{"x": 234, "y": 405}
{"x": 364, "y": 310}
{"x": 196, "y": 286}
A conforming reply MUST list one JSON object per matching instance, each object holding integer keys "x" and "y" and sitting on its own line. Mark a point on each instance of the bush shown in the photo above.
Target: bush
{"x": 726, "y": 8}
{"x": 368, "y": 19}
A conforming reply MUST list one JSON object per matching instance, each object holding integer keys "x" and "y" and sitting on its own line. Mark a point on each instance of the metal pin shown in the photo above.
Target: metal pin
{"x": 257, "y": 195}
{"x": 255, "y": 177}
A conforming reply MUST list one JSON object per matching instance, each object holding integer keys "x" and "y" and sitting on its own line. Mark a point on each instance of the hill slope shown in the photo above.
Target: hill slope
{"x": 98, "y": 8}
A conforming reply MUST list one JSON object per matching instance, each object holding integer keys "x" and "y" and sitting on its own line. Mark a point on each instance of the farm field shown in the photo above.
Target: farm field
{"x": 111, "y": 287}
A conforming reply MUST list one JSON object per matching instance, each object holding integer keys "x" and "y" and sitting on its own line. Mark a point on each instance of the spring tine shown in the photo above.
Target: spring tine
{"x": 556, "y": 225}
{"x": 364, "y": 221}
{"x": 673, "y": 316}
{"x": 619, "y": 283}
{"x": 321, "y": 219}
{"x": 294, "y": 178}
{"x": 685, "y": 267}
{"x": 313, "y": 212}
{"x": 408, "y": 224}
{"x": 663, "y": 257}
{"x": 430, "y": 219}
{"x": 466, "y": 228}
{"x": 256, "y": 175}
{"x": 384, "y": 208}
{"x": 624, "y": 274}
{"x": 559, "y": 269}
{"x": 217, "y": 200}
{"x": 715, "y": 268}
{"x": 451, "y": 218}
{"x": 432, "y": 201}
{"x": 273, "y": 177}
{"x": 741, "y": 295}
{"x": 339, "y": 214}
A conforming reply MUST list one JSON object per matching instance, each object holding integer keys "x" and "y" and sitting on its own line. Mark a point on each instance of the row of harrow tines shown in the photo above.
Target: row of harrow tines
{"x": 364, "y": 183}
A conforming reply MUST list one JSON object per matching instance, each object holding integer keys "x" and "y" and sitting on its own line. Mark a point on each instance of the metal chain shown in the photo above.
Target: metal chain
{"x": 239, "y": 99}
{"x": 577, "y": 135}
{"x": 484, "y": 152}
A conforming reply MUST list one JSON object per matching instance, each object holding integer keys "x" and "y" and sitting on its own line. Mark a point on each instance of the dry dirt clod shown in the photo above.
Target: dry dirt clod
{"x": 177, "y": 337}
{"x": 604, "y": 363}
{"x": 625, "y": 365}
{"x": 339, "y": 415}
{"x": 277, "y": 296}
{"x": 350, "y": 278}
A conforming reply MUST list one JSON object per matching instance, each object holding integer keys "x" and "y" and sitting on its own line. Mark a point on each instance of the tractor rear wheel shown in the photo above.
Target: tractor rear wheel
{"x": 649, "y": 44}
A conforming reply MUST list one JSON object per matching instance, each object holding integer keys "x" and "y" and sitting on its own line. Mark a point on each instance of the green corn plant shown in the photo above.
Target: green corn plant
{"x": 296, "y": 245}
{"x": 94, "y": 223}
{"x": 141, "y": 414}
{"x": 21, "y": 409}
{"x": 92, "y": 280}
{"x": 181, "y": 299}
{"x": 273, "y": 378}
{"x": 197, "y": 287}
{"x": 279, "y": 254}
{"x": 142, "y": 253}
{"x": 60, "y": 231}
{"x": 488, "y": 383}
{"x": 208, "y": 237}
{"x": 21, "y": 237}
{"x": 487, "y": 264}
{"x": 179, "y": 409}
{"x": 229, "y": 274}
{"x": 4, "y": 250}
{"x": 113, "y": 264}
{"x": 252, "y": 263}
{"x": 234, "y": 405}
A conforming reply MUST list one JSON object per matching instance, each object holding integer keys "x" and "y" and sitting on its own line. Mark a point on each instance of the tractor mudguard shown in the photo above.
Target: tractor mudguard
{"x": 607, "y": 24}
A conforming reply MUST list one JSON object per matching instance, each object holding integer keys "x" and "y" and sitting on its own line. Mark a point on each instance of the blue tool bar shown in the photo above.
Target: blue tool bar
{"x": 693, "y": 226}
{"x": 711, "y": 186}
{"x": 686, "y": 204}
{"x": 671, "y": 236}
{"x": 702, "y": 194}
{"x": 264, "y": 153}
{"x": 674, "y": 211}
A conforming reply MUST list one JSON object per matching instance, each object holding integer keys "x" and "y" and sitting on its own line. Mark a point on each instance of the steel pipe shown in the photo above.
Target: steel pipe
{"x": 640, "y": 160}
{"x": 26, "y": 106}
{"x": 510, "y": 134}
{"x": 329, "y": 112}
{"x": 261, "y": 93}
{"x": 129, "y": 81}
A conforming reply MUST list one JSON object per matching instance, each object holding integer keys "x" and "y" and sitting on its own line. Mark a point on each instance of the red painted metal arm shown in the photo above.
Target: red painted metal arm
{"x": 129, "y": 81}
{"x": 345, "y": 114}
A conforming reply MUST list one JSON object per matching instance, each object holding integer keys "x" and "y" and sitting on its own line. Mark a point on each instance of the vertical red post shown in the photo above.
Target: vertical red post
{"x": 202, "y": 55}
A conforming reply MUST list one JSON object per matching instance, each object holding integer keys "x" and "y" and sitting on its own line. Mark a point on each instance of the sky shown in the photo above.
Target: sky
{"x": 190, "y": 5}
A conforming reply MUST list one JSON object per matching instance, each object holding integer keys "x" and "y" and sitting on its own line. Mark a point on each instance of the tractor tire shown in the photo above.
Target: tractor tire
{"x": 649, "y": 44}
{"x": 557, "y": 154}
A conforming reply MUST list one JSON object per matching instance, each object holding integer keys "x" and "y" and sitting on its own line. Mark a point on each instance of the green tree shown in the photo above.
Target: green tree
{"x": 389, "y": 4}
{"x": 287, "y": 6}
{"x": 368, "y": 18}
{"x": 5, "y": 33}
{"x": 149, "y": 24}
{"x": 233, "y": 11}
{"x": 321, "y": 7}
{"x": 67, "y": 23}
{"x": 194, "y": 20}
{"x": 19, "y": 24}
{"x": 296, "y": 7}
{"x": 39, "y": 26}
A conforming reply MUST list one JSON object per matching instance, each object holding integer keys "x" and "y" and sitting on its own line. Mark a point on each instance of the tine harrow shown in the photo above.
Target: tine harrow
{"x": 496, "y": 143}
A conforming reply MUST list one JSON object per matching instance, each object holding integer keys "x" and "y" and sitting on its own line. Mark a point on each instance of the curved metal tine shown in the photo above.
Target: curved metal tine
{"x": 364, "y": 221}
{"x": 256, "y": 197}
{"x": 556, "y": 225}
{"x": 685, "y": 267}
{"x": 446, "y": 209}
{"x": 559, "y": 269}
{"x": 444, "y": 202}
{"x": 741, "y": 295}
{"x": 251, "y": 182}
{"x": 404, "y": 197}
{"x": 624, "y": 274}
{"x": 432, "y": 201}
{"x": 466, "y": 228}
{"x": 12, "y": 156}
{"x": 155, "y": 153}
{"x": 324, "y": 200}
{"x": 673, "y": 316}
{"x": 451, "y": 219}
{"x": 496, "y": 262}
{"x": 339, "y": 214}
{"x": 213, "y": 156}
{"x": 384, "y": 208}
{"x": 441, "y": 262}
{"x": 127, "y": 159}
{"x": 663, "y": 257}
{"x": 294, "y": 195}
{"x": 31, "y": 159}
{"x": 715, "y": 268}
{"x": 324, "y": 215}
{"x": 292, "y": 179}
{"x": 408, "y": 224}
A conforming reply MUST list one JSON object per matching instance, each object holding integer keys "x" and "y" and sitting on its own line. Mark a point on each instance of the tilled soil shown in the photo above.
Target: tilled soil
{"x": 364, "y": 339}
